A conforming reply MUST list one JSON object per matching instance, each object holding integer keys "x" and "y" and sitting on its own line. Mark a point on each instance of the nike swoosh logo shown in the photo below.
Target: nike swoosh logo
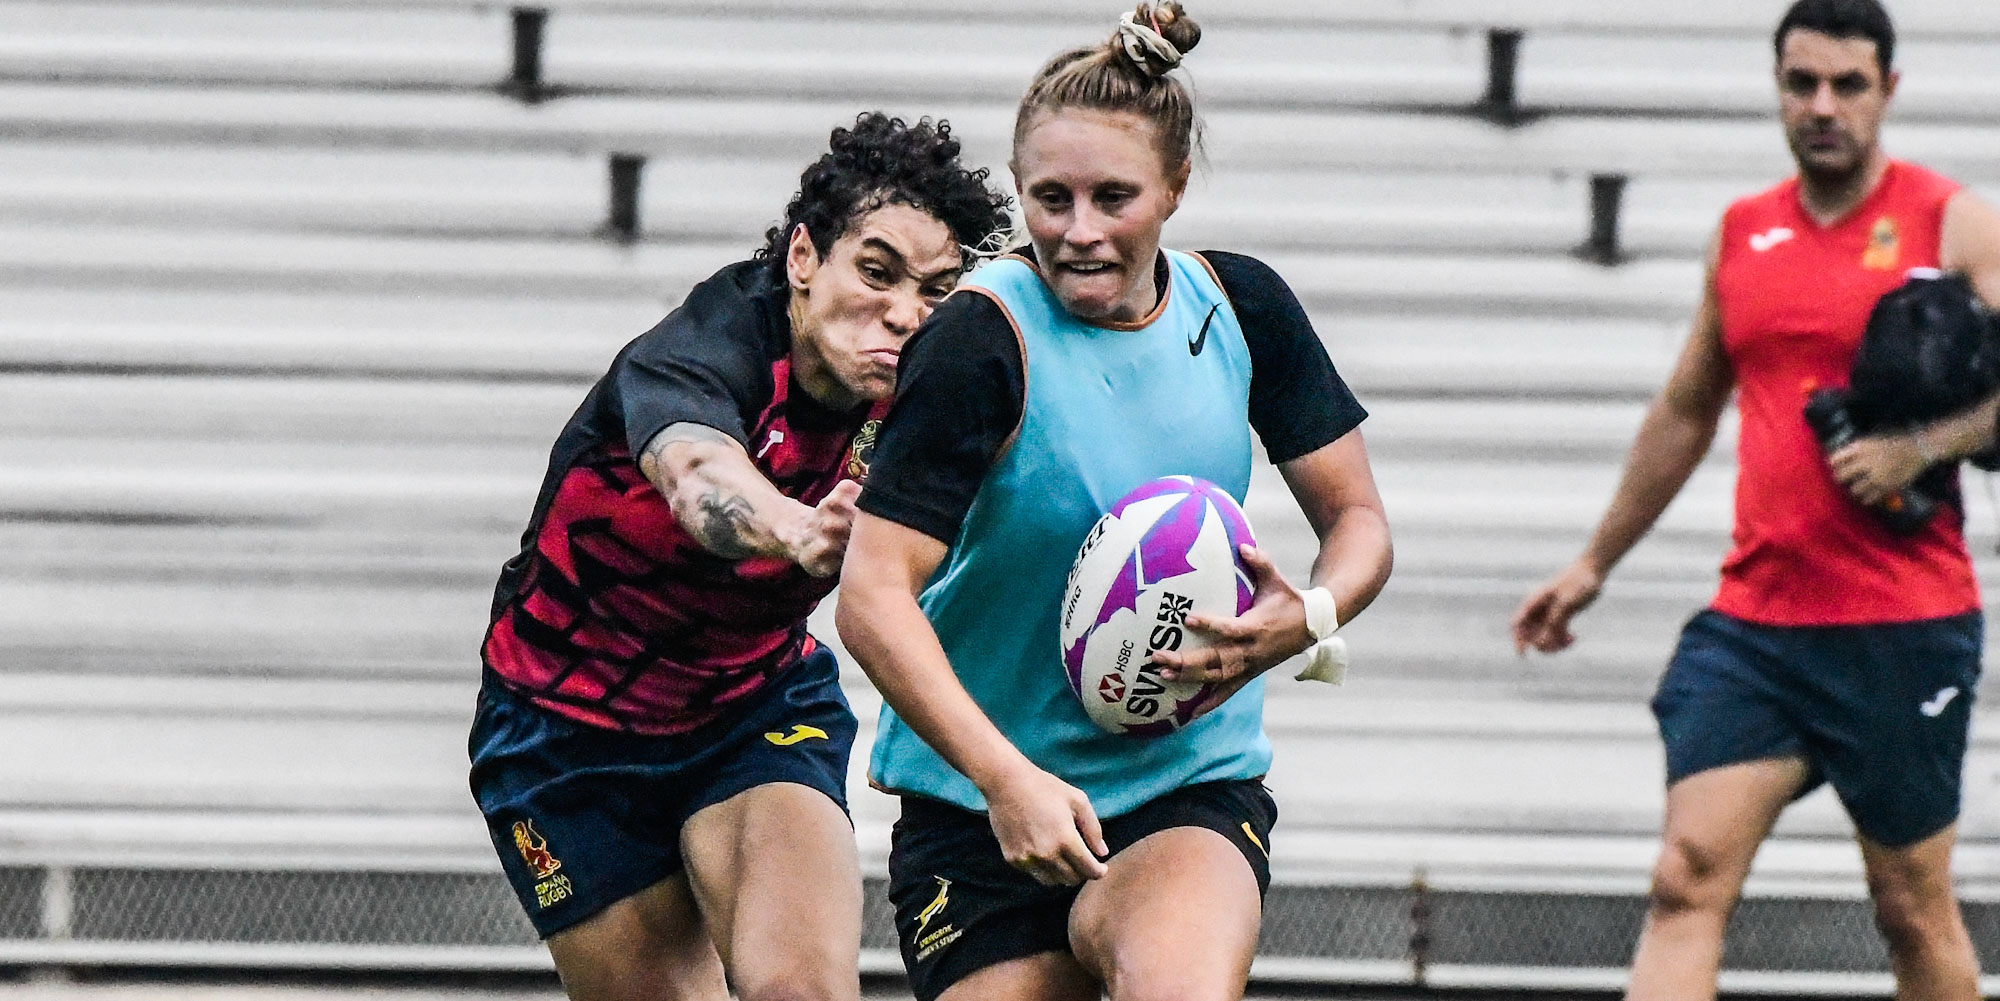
{"x": 800, "y": 731}
{"x": 1935, "y": 707}
{"x": 1195, "y": 344}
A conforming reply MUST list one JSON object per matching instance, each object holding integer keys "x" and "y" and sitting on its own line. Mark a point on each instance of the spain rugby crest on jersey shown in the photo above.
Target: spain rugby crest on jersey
{"x": 1165, "y": 551}
{"x": 1885, "y": 246}
{"x": 863, "y": 450}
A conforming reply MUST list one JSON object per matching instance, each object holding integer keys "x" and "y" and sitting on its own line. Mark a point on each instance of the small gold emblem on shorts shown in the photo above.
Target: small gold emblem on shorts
{"x": 946, "y": 934}
{"x": 800, "y": 731}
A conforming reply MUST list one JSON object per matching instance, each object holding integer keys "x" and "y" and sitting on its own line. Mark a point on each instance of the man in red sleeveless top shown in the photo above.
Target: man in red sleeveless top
{"x": 1835, "y": 650}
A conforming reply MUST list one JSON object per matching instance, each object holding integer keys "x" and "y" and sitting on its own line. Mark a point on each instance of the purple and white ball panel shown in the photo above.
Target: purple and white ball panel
{"x": 1166, "y": 550}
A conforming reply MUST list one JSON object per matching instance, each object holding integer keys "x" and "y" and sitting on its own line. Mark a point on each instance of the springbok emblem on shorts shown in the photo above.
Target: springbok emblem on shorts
{"x": 936, "y": 906}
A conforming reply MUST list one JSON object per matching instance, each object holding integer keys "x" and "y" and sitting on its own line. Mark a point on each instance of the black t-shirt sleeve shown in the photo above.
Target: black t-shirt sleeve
{"x": 959, "y": 397}
{"x": 708, "y": 363}
{"x": 1298, "y": 402}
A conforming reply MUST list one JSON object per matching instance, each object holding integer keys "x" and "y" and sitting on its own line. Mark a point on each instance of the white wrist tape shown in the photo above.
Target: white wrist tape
{"x": 1325, "y": 661}
{"x": 1321, "y": 617}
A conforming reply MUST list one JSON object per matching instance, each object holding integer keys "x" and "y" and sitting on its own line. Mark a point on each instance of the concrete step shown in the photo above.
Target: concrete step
{"x": 500, "y": 196}
{"x": 494, "y": 335}
{"x": 693, "y": 199}
{"x": 401, "y": 599}
{"x": 1376, "y": 780}
{"x": 287, "y": 45}
{"x": 1451, "y": 284}
{"x": 1695, "y": 74}
{"x": 848, "y": 54}
{"x": 794, "y": 131}
{"x": 344, "y": 453}
{"x": 321, "y": 331}
{"x": 353, "y": 414}
{"x": 1919, "y": 18}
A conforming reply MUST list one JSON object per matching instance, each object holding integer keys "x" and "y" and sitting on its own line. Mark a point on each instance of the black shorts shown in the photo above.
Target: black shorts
{"x": 1880, "y": 711}
{"x": 584, "y": 817}
{"x": 961, "y": 908}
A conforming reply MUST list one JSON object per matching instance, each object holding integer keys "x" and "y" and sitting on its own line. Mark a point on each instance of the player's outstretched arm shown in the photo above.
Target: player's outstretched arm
{"x": 1046, "y": 827}
{"x": 724, "y": 502}
{"x": 1674, "y": 437}
{"x": 1335, "y": 488}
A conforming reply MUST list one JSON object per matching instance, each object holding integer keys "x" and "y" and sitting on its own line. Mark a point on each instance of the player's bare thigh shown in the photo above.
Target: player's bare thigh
{"x": 1045, "y": 976}
{"x": 1176, "y": 916}
{"x": 778, "y": 880}
{"x": 1730, "y": 809}
{"x": 651, "y": 945}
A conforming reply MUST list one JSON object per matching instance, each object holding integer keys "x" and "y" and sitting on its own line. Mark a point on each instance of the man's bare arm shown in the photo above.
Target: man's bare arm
{"x": 1878, "y": 467}
{"x": 1971, "y": 243}
{"x": 720, "y": 497}
{"x": 1673, "y": 439}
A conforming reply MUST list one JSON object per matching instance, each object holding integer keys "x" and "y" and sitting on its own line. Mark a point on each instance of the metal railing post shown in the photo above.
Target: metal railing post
{"x": 1503, "y": 62}
{"x": 1421, "y": 939}
{"x": 1607, "y": 195}
{"x": 621, "y": 222}
{"x": 525, "y": 82}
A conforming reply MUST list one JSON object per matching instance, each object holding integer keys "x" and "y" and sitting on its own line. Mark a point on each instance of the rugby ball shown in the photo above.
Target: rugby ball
{"x": 1164, "y": 551}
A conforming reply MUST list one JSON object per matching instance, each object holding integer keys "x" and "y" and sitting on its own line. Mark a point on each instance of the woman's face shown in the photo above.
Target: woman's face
{"x": 1095, "y": 195}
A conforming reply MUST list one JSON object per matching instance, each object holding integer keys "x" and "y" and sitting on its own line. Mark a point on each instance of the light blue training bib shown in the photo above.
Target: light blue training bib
{"x": 1106, "y": 410}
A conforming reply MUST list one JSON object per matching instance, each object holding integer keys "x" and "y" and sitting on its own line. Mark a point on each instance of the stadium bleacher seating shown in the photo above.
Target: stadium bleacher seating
{"x": 294, "y": 297}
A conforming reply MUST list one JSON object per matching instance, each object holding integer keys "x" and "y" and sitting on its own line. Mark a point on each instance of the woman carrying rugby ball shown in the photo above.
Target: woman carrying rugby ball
{"x": 1057, "y": 379}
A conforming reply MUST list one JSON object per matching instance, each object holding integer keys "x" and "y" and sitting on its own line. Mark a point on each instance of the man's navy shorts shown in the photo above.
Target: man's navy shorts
{"x": 584, "y": 817}
{"x": 1879, "y": 711}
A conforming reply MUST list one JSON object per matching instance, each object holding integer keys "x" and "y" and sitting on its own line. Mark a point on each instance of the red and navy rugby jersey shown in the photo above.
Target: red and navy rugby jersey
{"x": 612, "y": 614}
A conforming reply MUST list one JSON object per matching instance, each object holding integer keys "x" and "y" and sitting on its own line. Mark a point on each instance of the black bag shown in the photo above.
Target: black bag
{"x": 1932, "y": 349}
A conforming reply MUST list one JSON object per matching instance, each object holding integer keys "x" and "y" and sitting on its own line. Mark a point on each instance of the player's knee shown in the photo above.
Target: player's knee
{"x": 1172, "y": 979}
{"x": 1690, "y": 877}
{"x": 797, "y": 985}
{"x": 1167, "y": 988}
{"x": 1911, "y": 918}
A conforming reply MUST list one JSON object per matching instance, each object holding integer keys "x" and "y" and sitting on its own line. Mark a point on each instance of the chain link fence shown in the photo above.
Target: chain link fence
{"x": 193, "y": 915}
{"x": 21, "y": 902}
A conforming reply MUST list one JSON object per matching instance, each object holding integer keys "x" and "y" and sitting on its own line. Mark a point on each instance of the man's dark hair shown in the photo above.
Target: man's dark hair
{"x": 885, "y": 161}
{"x": 1842, "y": 19}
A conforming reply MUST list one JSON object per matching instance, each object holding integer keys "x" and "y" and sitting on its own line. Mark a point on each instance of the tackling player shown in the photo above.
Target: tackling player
{"x": 660, "y": 748}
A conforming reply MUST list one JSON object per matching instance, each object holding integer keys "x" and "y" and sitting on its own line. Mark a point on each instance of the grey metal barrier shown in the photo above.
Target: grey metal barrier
{"x": 1411, "y": 933}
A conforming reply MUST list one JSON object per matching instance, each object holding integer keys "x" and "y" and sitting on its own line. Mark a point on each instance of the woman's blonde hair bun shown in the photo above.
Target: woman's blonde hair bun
{"x": 1155, "y": 38}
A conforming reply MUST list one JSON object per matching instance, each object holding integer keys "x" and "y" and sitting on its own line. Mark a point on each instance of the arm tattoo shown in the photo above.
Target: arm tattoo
{"x": 652, "y": 456}
{"x": 722, "y": 520}
{"x": 725, "y": 527}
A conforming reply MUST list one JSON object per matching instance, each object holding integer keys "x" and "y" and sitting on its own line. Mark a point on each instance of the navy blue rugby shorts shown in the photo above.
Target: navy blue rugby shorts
{"x": 961, "y": 908}
{"x": 1879, "y": 711}
{"x": 583, "y": 817}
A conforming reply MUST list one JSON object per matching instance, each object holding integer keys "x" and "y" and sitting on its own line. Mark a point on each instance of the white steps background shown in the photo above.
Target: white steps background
{"x": 292, "y": 304}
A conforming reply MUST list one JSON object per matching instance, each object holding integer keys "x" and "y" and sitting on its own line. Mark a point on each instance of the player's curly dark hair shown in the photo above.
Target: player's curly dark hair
{"x": 886, "y": 161}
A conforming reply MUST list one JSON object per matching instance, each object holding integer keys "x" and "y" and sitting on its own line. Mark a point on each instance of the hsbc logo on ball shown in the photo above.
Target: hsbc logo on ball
{"x": 1110, "y": 689}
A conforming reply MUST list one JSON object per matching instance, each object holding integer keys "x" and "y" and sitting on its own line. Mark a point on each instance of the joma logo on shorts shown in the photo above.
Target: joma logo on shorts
{"x": 800, "y": 731}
